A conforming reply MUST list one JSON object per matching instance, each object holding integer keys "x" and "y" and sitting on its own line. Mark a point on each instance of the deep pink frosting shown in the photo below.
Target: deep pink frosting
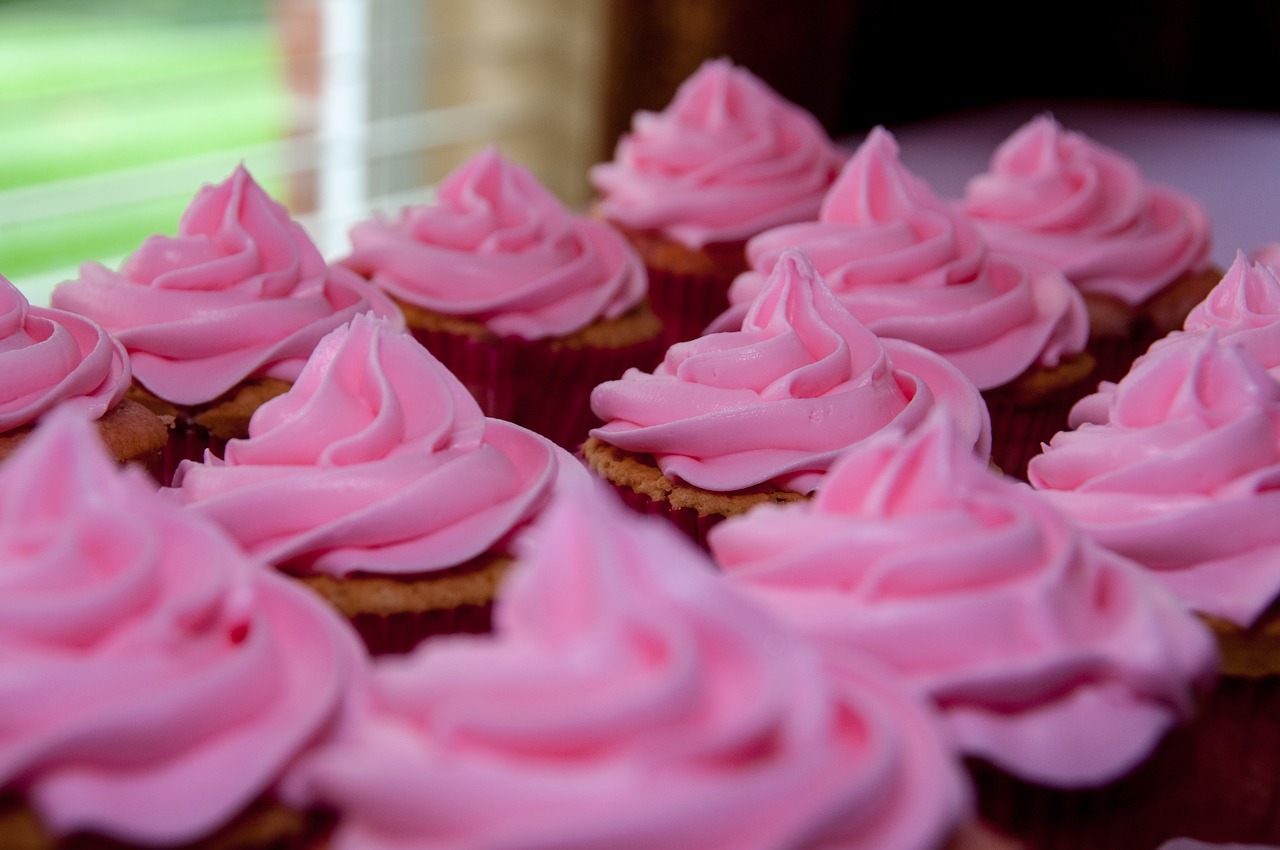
{"x": 499, "y": 248}
{"x": 630, "y": 699}
{"x": 48, "y": 357}
{"x": 1088, "y": 210}
{"x": 153, "y": 681}
{"x": 377, "y": 459}
{"x": 779, "y": 399}
{"x": 909, "y": 267}
{"x": 1048, "y": 656}
{"x": 241, "y": 292}
{"x": 727, "y": 159}
{"x": 1185, "y": 475}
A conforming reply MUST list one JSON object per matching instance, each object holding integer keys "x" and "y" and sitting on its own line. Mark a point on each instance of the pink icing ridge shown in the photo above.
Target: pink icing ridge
{"x": 1048, "y": 656}
{"x": 499, "y": 248}
{"x": 1087, "y": 209}
{"x": 727, "y": 159}
{"x": 49, "y": 357}
{"x": 779, "y": 399}
{"x": 1268, "y": 254}
{"x": 909, "y": 267}
{"x": 629, "y": 698}
{"x": 241, "y": 292}
{"x": 377, "y": 460}
{"x": 1184, "y": 477}
{"x": 153, "y": 681}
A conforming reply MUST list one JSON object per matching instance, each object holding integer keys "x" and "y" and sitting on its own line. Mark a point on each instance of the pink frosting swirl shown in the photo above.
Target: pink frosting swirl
{"x": 1087, "y": 209}
{"x": 49, "y": 357}
{"x": 1268, "y": 254}
{"x": 779, "y": 399}
{"x": 240, "y": 293}
{"x": 1049, "y": 656}
{"x": 909, "y": 267}
{"x": 498, "y": 247}
{"x": 629, "y": 698}
{"x": 153, "y": 681}
{"x": 1184, "y": 478}
{"x": 727, "y": 159}
{"x": 377, "y": 459}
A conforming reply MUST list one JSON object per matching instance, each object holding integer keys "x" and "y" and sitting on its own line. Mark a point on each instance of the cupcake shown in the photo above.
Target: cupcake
{"x": 909, "y": 267}
{"x": 221, "y": 317}
{"x": 377, "y": 481}
{"x": 1055, "y": 663}
{"x": 50, "y": 358}
{"x": 735, "y": 419}
{"x": 727, "y": 159}
{"x": 156, "y": 684}
{"x": 628, "y": 698}
{"x": 1184, "y": 478}
{"x": 528, "y": 304}
{"x": 1138, "y": 251}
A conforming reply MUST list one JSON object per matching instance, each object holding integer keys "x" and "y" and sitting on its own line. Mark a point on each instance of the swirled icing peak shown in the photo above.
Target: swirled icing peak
{"x": 241, "y": 292}
{"x": 777, "y": 400}
{"x": 499, "y": 248}
{"x": 1184, "y": 477}
{"x": 1088, "y": 210}
{"x": 727, "y": 159}
{"x": 1049, "y": 656}
{"x": 377, "y": 459}
{"x": 50, "y": 357}
{"x": 153, "y": 681}
{"x": 910, "y": 267}
{"x": 628, "y": 698}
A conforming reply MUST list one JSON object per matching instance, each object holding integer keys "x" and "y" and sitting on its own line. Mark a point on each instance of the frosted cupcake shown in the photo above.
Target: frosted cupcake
{"x": 221, "y": 317}
{"x": 377, "y": 481}
{"x": 1183, "y": 478}
{"x": 909, "y": 267}
{"x": 727, "y": 159}
{"x": 1059, "y": 663}
{"x": 156, "y": 683}
{"x": 1138, "y": 251}
{"x": 50, "y": 358}
{"x": 734, "y": 419}
{"x": 628, "y": 698}
{"x": 528, "y": 304}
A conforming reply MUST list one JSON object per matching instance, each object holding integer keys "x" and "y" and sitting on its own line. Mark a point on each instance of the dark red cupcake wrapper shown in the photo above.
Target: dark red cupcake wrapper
{"x": 1017, "y": 430}
{"x": 1114, "y": 354}
{"x": 531, "y": 383}
{"x": 399, "y": 633}
{"x": 187, "y": 441}
{"x": 689, "y": 521}
{"x": 686, "y": 303}
{"x": 1216, "y": 779}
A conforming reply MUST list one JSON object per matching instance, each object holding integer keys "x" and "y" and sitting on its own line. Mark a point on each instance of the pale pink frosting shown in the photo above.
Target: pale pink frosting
{"x": 49, "y": 357}
{"x": 727, "y": 159}
{"x": 909, "y": 267}
{"x": 378, "y": 460}
{"x": 1184, "y": 477}
{"x": 1268, "y": 254}
{"x": 1089, "y": 211}
{"x": 153, "y": 681}
{"x": 499, "y": 248}
{"x": 1048, "y": 656}
{"x": 779, "y": 399}
{"x": 241, "y": 292}
{"x": 630, "y": 699}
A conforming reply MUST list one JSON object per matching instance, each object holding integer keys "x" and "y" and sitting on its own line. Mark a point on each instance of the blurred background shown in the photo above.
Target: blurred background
{"x": 114, "y": 112}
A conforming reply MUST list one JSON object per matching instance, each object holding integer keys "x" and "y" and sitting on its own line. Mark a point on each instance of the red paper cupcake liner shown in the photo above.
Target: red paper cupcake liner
{"x": 694, "y": 526}
{"x": 531, "y": 383}
{"x": 1017, "y": 431}
{"x": 686, "y": 303}
{"x": 1216, "y": 779}
{"x": 1114, "y": 355}
{"x": 187, "y": 441}
{"x": 398, "y": 633}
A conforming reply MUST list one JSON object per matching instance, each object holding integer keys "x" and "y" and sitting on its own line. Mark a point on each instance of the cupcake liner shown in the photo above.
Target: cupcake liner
{"x": 694, "y": 526}
{"x": 1216, "y": 779}
{"x": 1017, "y": 430}
{"x": 686, "y": 303}
{"x": 532, "y": 383}
{"x": 1115, "y": 354}
{"x": 393, "y": 634}
{"x": 187, "y": 441}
